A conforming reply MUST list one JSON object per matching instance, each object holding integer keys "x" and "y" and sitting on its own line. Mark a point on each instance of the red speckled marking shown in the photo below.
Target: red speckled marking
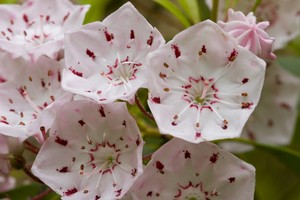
{"x": 70, "y": 191}
{"x": 61, "y": 141}
{"x": 176, "y": 50}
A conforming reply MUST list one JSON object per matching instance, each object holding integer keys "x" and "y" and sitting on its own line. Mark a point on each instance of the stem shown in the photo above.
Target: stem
{"x": 142, "y": 108}
{"x": 42, "y": 194}
{"x": 29, "y": 173}
{"x": 31, "y": 147}
{"x": 214, "y": 11}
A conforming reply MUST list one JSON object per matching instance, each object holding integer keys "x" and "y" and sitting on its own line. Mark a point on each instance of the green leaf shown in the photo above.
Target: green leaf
{"x": 175, "y": 11}
{"x": 290, "y": 63}
{"x": 191, "y": 9}
{"x": 8, "y": 1}
{"x": 23, "y": 192}
{"x": 204, "y": 10}
{"x": 274, "y": 179}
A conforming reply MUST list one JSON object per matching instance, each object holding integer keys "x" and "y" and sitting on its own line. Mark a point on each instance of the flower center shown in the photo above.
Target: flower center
{"x": 122, "y": 72}
{"x": 193, "y": 192}
{"x": 199, "y": 100}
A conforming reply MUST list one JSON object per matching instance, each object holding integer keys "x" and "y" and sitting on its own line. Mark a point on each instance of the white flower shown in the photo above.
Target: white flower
{"x": 28, "y": 103}
{"x": 106, "y": 60}
{"x": 37, "y": 27}
{"x": 204, "y": 85}
{"x": 183, "y": 171}
{"x": 273, "y": 121}
{"x": 94, "y": 151}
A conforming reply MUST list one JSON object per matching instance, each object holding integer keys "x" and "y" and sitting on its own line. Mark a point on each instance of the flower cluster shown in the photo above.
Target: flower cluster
{"x": 61, "y": 84}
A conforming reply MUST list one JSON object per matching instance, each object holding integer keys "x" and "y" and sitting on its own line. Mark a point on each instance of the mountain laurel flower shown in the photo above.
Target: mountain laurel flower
{"x": 37, "y": 27}
{"x": 250, "y": 35}
{"x": 205, "y": 86}
{"x": 180, "y": 170}
{"x": 101, "y": 147}
{"x": 106, "y": 60}
{"x": 25, "y": 102}
{"x": 273, "y": 121}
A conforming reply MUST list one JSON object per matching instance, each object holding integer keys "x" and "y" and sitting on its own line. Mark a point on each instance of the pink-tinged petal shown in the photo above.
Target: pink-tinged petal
{"x": 102, "y": 150}
{"x": 250, "y": 35}
{"x": 37, "y": 27}
{"x": 181, "y": 170}
{"x": 200, "y": 88}
{"x": 273, "y": 121}
{"x": 23, "y": 100}
{"x": 284, "y": 18}
{"x": 113, "y": 54}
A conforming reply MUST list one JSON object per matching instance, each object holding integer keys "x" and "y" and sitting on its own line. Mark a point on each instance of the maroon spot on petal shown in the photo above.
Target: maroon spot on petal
{"x": 118, "y": 192}
{"x": 124, "y": 123}
{"x": 224, "y": 127}
{"x": 58, "y": 76}
{"x": 63, "y": 170}
{"x": 43, "y": 83}
{"x": 25, "y": 18}
{"x": 176, "y": 50}
{"x": 245, "y": 80}
{"x": 138, "y": 142}
{"x": 132, "y": 34}
{"x": 285, "y": 106}
{"x": 149, "y": 194}
{"x": 66, "y": 16}
{"x": 150, "y": 40}
{"x": 61, "y": 141}
{"x": 232, "y": 56}
{"x": 4, "y": 122}
{"x": 246, "y": 105}
{"x": 197, "y": 135}
{"x": 70, "y": 192}
{"x": 97, "y": 197}
{"x": 12, "y": 22}
{"x": 101, "y": 111}
{"x": 214, "y": 157}
{"x": 202, "y": 51}
{"x": 159, "y": 166}
{"x": 90, "y": 54}
{"x": 174, "y": 124}
{"x": 81, "y": 122}
{"x": 109, "y": 36}
{"x": 9, "y": 30}
{"x": 187, "y": 154}
{"x": 77, "y": 73}
{"x": 231, "y": 179}
{"x": 156, "y": 100}
{"x": 133, "y": 172}
{"x": 162, "y": 75}
{"x": 21, "y": 91}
